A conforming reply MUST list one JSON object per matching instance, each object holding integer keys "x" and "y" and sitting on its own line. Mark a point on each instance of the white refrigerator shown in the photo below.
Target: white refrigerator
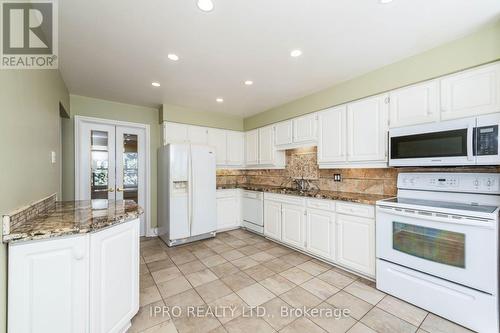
{"x": 186, "y": 193}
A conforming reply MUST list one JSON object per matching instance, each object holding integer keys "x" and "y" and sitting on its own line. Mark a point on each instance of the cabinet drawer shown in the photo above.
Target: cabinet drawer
{"x": 228, "y": 193}
{"x": 321, "y": 204}
{"x": 252, "y": 194}
{"x": 355, "y": 209}
{"x": 289, "y": 199}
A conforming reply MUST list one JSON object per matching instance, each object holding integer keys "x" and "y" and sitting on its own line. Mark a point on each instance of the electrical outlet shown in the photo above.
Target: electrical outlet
{"x": 53, "y": 157}
{"x": 337, "y": 177}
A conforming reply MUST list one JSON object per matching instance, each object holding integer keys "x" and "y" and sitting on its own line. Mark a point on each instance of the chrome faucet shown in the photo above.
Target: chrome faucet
{"x": 301, "y": 184}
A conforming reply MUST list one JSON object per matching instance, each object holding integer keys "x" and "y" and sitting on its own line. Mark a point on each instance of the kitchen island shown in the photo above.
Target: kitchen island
{"x": 73, "y": 266}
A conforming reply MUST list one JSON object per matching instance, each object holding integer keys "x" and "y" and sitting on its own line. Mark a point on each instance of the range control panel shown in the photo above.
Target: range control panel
{"x": 451, "y": 182}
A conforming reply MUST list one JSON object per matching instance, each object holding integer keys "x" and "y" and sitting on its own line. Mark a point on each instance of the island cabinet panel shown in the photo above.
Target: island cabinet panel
{"x": 114, "y": 277}
{"x": 75, "y": 284}
{"x": 48, "y": 286}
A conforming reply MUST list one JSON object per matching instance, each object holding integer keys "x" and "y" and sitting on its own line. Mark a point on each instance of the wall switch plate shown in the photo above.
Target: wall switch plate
{"x": 53, "y": 157}
{"x": 337, "y": 177}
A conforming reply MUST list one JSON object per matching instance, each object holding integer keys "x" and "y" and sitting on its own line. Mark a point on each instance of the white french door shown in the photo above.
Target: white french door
{"x": 111, "y": 162}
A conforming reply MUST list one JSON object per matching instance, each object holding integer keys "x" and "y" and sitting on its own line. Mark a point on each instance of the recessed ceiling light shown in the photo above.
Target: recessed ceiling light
{"x": 219, "y": 100}
{"x": 248, "y": 82}
{"x": 383, "y": 2}
{"x": 205, "y": 5}
{"x": 296, "y": 53}
{"x": 155, "y": 84}
{"x": 173, "y": 57}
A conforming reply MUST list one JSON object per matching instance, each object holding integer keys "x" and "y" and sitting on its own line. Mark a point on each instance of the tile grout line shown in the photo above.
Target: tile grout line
{"x": 329, "y": 266}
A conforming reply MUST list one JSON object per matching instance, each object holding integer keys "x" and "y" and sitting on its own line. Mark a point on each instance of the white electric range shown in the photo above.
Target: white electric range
{"x": 437, "y": 245}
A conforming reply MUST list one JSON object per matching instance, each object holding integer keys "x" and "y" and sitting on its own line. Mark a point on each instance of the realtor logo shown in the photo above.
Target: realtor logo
{"x": 29, "y": 34}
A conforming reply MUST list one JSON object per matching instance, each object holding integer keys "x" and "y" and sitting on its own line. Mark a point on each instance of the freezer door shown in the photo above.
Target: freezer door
{"x": 178, "y": 185}
{"x": 203, "y": 190}
{"x": 179, "y": 162}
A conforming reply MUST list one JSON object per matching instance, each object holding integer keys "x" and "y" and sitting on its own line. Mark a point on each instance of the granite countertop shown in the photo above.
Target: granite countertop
{"x": 74, "y": 217}
{"x": 361, "y": 198}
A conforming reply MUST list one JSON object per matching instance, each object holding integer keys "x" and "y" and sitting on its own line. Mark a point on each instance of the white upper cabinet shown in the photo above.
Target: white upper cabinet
{"x": 235, "y": 148}
{"x": 297, "y": 132}
{"x": 229, "y": 145}
{"x": 367, "y": 129}
{"x": 304, "y": 128}
{"x": 198, "y": 135}
{"x": 217, "y": 139}
{"x": 472, "y": 92}
{"x": 260, "y": 150}
{"x": 252, "y": 147}
{"x": 175, "y": 133}
{"x": 415, "y": 104}
{"x": 266, "y": 145}
{"x": 332, "y": 135}
{"x": 284, "y": 133}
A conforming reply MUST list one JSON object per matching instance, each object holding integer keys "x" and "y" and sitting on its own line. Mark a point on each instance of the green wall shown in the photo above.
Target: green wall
{"x": 29, "y": 132}
{"x": 98, "y": 108}
{"x": 183, "y": 115}
{"x": 478, "y": 48}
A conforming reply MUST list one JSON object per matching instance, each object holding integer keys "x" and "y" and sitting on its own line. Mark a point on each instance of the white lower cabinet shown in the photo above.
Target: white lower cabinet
{"x": 48, "y": 286}
{"x": 321, "y": 233}
{"x": 228, "y": 209}
{"x": 272, "y": 219}
{"x": 337, "y": 231}
{"x": 48, "y": 282}
{"x": 356, "y": 243}
{"x": 293, "y": 226}
{"x": 114, "y": 282}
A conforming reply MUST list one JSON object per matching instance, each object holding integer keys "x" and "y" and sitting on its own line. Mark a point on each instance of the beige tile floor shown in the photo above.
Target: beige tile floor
{"x": 238, "y": 270}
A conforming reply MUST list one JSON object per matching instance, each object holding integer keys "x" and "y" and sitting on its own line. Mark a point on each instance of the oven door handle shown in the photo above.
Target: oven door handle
{"x": 488, "y": 224}
{"x": 470, "y": 142}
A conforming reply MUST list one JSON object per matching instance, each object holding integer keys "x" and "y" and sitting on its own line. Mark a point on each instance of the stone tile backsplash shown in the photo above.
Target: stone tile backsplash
{"x": 28, "y": 212}
{"x": 302, "y": 162}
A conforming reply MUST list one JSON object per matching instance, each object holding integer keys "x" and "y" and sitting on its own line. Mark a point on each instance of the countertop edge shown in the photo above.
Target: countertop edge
{"x": 15, "y": 238}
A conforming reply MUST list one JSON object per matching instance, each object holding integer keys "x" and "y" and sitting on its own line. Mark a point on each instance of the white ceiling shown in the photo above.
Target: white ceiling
{"x": 114, "y": 49}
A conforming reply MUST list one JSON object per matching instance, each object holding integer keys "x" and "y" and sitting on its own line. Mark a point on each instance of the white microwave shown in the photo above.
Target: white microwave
{"x": 469, "y": 141}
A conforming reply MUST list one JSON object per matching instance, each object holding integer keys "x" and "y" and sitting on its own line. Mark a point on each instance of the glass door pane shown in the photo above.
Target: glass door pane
{"x": 95, "y": 169}
{"x": 130, "y": 167}
{"x": 99, "y": 154}
{"x": 441, "y": 246}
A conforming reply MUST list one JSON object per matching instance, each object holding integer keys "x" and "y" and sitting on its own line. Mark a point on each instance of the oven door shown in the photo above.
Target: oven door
{"x": 447, "y": 143}
{"x": 458, "y": 249}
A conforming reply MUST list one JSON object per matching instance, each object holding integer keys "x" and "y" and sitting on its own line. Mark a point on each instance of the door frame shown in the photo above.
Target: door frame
{"x": 79, "y": 120}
